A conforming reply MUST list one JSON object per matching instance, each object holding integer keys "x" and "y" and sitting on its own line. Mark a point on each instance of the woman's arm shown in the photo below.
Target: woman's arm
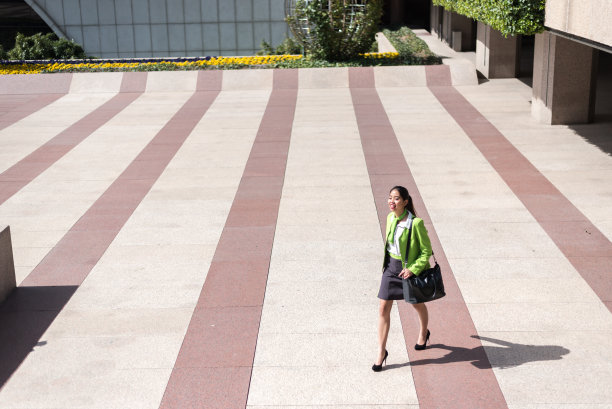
{"x": 420, "y": 234}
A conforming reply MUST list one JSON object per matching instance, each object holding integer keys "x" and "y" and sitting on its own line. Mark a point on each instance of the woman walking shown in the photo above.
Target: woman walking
{"x": 400, "y": 264}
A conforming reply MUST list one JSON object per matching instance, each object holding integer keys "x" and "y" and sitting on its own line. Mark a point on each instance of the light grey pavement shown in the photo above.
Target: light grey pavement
{"x": 115, "y": 341}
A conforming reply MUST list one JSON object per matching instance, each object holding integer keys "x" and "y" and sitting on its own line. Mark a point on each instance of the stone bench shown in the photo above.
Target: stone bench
{"x": 7, "y": 265}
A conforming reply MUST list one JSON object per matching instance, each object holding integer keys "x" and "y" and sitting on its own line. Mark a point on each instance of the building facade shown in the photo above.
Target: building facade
{"x": 569, "y": 63}
{"x": 165, "y": 28}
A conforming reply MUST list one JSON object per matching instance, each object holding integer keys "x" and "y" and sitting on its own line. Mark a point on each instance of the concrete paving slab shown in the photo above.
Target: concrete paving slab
{"x": 309, "y": 293}
{"x": 560, "y": 290}
{"x": 492, "y": 268}
{"x": 126, "y": 274}
{"x": 170, "y": 81}
{"x": 247, "y": 79}
{"x": 311, "y": 386}
{"x": 542, "y": 316}
{"x": 392, "y": 77}
{"x": 514, "y": 381}
{"x": 320, "y": 350}
{"x": 93, "y": 83}
{"x": 27, "y": 135}
{"x": 333, "y": 407}
{"x": 324, "y": 78}
{"x": 126, "y": 322}
{"x": 335, "y": 319}
{"x": 178, "y": 294}
{"x": 323, "y": 271}
{"x": 93, "y": 388}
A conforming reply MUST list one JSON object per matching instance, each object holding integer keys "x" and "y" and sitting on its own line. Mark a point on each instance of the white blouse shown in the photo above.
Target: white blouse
{"x": 393, "y": 247}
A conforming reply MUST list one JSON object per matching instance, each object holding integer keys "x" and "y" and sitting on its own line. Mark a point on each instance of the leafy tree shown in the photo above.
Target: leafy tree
{"x": 335, "y": 30}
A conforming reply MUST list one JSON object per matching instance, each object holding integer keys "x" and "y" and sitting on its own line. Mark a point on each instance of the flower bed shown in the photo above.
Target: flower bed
{"x": 184, "y": 64}
{"x": 36, "y": 67}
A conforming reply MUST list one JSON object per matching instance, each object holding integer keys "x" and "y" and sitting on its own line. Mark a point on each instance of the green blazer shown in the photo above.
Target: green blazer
{"x": 420, "y": 251}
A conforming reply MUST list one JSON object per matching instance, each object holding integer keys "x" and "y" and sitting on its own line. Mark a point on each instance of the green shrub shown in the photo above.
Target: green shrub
{"x": 335, "y": 30}
{"x": 3, "y": 55}
{"x": 510, "y": 17}
{"x": 65, "y": 50}
{"x": 266, "y": 49}
{"x": 412, "y": 50}
{"x": 44, "y": 47}
{"x": 287, "y": 46}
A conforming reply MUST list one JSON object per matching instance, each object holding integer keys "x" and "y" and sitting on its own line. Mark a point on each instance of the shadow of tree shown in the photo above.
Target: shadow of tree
{"x": 506, "y": 355}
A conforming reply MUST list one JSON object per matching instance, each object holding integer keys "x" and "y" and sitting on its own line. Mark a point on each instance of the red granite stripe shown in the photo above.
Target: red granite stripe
{"x": 71, "y": 260}
{"x": 22, "y": 95}
{"x": 213, "y": 368}
{"x": 23, "y": 172}
{"x": 34, "y": 305}
{"x": 584, "y": 245}
{"x": 442, "y": 380}
{"x": 133, "y": 82}
{"x": 438, "y": 75}
{"x": 13, "y": 108}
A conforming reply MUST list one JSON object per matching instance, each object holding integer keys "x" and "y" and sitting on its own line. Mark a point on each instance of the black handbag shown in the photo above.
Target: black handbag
{"x": 427, "y": 286}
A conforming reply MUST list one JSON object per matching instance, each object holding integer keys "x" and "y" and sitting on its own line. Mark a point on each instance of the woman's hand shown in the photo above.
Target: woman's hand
{"x": 405, "y": 273}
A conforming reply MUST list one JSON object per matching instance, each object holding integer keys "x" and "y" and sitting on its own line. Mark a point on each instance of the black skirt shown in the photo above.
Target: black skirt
{"x": 391, "y": 287}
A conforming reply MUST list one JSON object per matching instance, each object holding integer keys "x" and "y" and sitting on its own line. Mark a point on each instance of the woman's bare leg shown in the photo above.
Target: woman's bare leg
{"x": 423, "y": 321}
{"x": 384, "y": 323}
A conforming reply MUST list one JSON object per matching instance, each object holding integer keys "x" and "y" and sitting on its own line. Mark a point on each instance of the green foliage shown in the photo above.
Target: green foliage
{"x": 412, "y": 50}
{"x": 288, "y": 47}
{"x": 266, "y": 49}
{"x": 3, "y": 55}
{"x": 65, "y": 49}
{"x": 44, "y": 47}
{"x": 333, "y": 30}
{"x": 510, "y": 17}
{"x": 373, "y": 47}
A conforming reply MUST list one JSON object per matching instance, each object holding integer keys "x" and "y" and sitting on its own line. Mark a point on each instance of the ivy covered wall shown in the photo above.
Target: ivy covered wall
{"x": 510, "y": 17}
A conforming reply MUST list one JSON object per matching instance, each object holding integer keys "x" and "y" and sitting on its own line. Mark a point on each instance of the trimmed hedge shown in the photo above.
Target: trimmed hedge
{"x": 510, "y": 17}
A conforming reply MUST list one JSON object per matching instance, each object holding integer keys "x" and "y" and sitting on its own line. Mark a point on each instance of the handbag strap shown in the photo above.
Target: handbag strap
{"x": 409, "y": 236}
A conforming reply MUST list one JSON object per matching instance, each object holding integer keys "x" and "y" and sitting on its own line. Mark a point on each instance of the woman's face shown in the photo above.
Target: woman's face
{"x": 396, "y": 203}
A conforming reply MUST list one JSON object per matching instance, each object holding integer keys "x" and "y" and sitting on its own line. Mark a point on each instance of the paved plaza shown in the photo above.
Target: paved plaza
{"x": 213, "y": 240}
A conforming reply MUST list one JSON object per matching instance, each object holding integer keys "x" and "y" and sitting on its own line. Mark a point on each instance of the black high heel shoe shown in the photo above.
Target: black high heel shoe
{"x": 378, "y": 368}
{"x": 420, "y": 347}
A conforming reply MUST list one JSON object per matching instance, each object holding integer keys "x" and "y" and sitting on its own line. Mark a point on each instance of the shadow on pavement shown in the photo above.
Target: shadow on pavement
{"x": 507, "y": 355}
{"x": 24, "y": 317}
{"x": 598, "y": 133}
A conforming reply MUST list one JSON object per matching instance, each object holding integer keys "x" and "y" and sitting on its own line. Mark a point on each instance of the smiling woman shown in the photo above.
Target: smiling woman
{"x": 406, "y": 255}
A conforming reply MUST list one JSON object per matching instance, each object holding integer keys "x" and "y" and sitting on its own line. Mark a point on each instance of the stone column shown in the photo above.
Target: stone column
{"x": 435, "y": 19}
{"x": 465, "y": 26}
{"x": 564, "y": 80}
{"x": 496, "y": 56}
{"x": 7, "y": 266}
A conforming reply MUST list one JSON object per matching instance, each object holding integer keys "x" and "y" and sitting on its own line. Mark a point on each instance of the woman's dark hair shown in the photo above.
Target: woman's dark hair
{"x": 403, "y": 192}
